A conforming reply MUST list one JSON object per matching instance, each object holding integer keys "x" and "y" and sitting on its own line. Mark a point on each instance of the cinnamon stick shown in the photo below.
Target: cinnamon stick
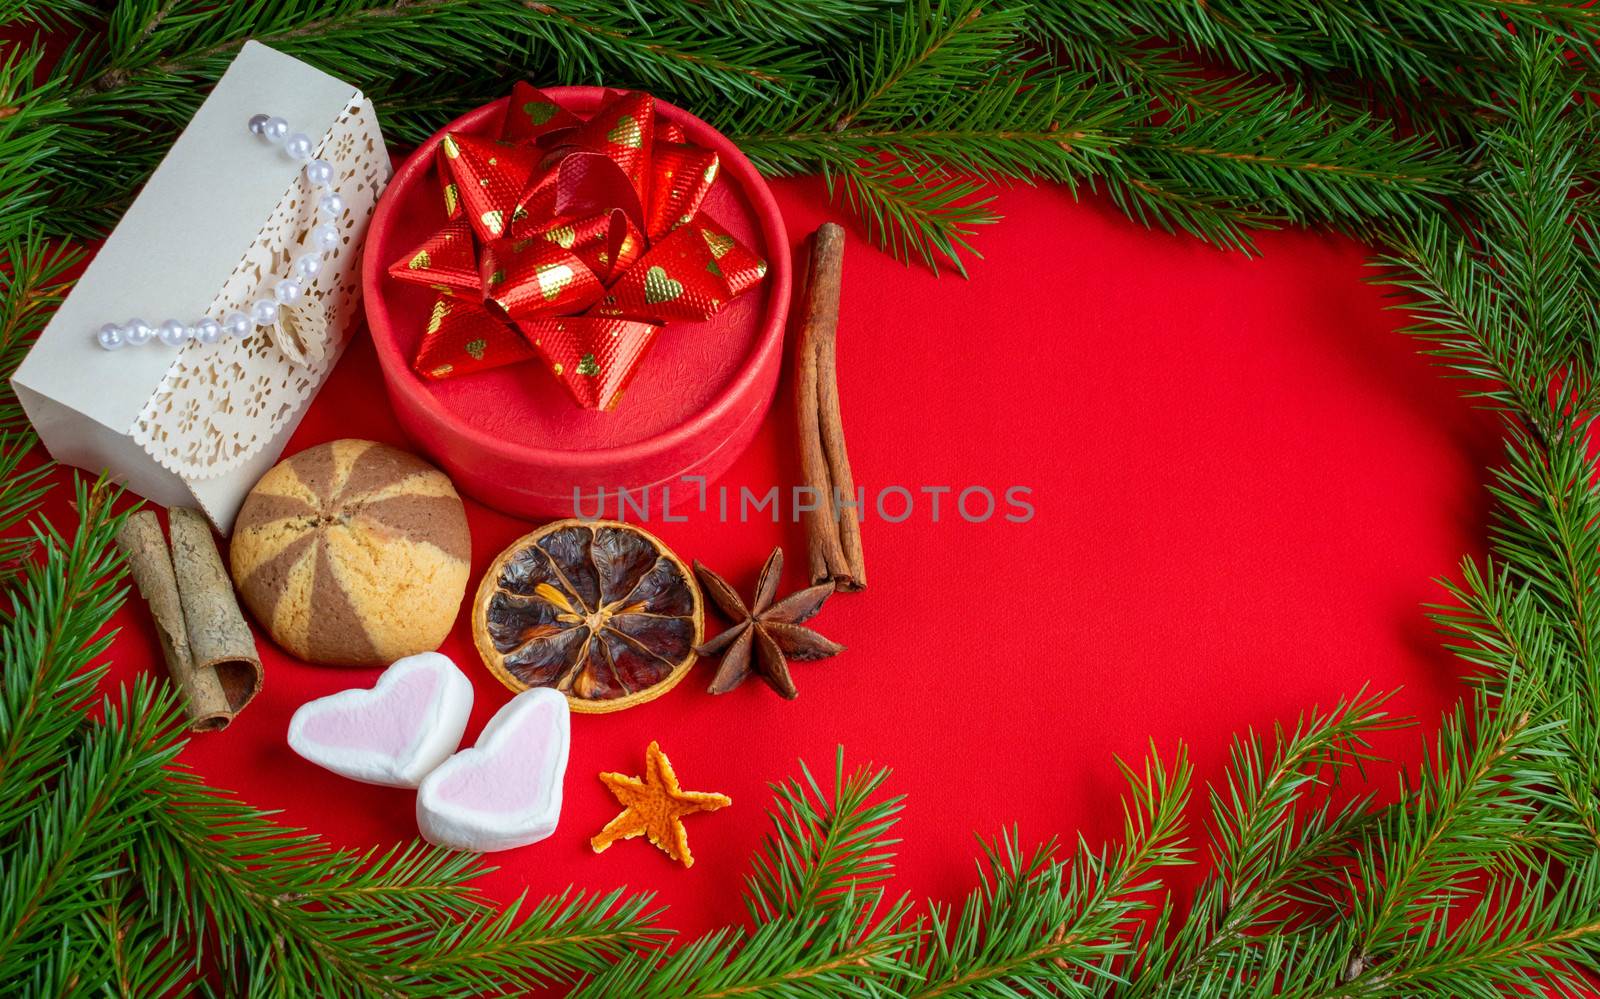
{"x": 150, "y": 565}
{"x": 219, "y": 639}
{"x": 833, "y": 528}
{"x": 209, "y": 649}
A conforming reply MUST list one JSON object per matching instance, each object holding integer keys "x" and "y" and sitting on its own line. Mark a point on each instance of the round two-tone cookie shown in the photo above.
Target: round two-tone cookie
{"x": 353, "y": 553}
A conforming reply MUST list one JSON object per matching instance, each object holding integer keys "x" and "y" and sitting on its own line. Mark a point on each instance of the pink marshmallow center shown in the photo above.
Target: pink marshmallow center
{"x": 510, "y": 779}
{"x": 386, "y": 722}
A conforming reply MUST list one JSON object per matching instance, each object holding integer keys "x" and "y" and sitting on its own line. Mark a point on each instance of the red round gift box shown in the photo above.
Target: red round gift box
{"x": 512, "y": 437}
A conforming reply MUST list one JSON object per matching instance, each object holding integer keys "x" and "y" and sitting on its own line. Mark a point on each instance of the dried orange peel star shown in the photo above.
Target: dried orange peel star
{"x": 655, "y": 806}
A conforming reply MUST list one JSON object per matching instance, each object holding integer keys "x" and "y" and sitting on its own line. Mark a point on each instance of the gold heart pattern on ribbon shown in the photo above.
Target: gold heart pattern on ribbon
{"x": 658, "y": 287}
{"x": 572, "y": 241}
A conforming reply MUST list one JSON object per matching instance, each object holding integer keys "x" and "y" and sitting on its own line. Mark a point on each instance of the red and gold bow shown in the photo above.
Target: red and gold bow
{"x": 572, "y": 241}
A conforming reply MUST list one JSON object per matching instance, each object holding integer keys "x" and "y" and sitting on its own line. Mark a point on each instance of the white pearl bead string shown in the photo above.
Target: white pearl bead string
{"x": 321, "y": 240}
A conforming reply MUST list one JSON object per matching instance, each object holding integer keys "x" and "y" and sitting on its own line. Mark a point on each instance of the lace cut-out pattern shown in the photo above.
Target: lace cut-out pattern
{"x": 220, "y": 404}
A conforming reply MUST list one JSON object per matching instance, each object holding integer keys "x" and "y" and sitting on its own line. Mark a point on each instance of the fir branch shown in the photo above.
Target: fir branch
{"x": 1053, "y": 127}
{"x": 1025, "y": 929}
{"x": 105, "y": 108}
{"x": 30, "y": 114}
{"x": 368, "y": 43}
{"x": 1498, "y": 627}
{"x": 1458, "y": 52}
{"x": 279, "y": 908}
{"x": 1478, "y": 789}
{"x": 926, "y": 216}
{"x": 1529, "y": 931}
{"x": 1255, "y": 839}
{"x": 73, "y": 834}
{"x": 22, "y": 489}
{"x": 1214, "y": 158}
{"x": 850, "y": 951}
{"x": 1529, "y": 231}
{"x": 1172, "y": 208}
{"x": 141, "y": 964}
{"x": 822, "y": 847}
{"x": 926, "y": 53}
{"x": 1546, "y": 529}
{"x": 561, "y": 938}
{"x": 926, "y": 94}
{"x": 916, "y": 184}
{"x": 1270, "y": 153}
{"x": 1534, "y": 933}
{"x": 49, "y": 645}
{"x": 52, "y": 14}
{"x": 822, "y": 928}
{"x": 1512, "y": 308}
{"x": 32, "y": 283}
{"x": 1037, "y": 924}
{"x": 1273, "y": 853}
{"x": 822, "y": 22}
{"x": 1261, "y": 147}
{"x": 671, "y": 55}
{"x": 1462, "y": 315}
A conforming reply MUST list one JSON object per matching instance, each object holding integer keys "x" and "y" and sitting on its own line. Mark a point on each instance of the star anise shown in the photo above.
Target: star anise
{"x": 765, "y": 635}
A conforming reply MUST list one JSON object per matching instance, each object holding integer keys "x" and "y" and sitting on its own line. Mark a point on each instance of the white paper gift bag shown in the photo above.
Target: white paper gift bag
{"x": 216, "y": 227}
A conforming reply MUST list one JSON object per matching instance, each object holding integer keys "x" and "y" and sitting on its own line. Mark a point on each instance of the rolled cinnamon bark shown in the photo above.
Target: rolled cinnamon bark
{"x": 209, "y": 649}
{"x": 150, "y": 565}
{"x": 833, "y": 529}
{"x": 219, "y": 639}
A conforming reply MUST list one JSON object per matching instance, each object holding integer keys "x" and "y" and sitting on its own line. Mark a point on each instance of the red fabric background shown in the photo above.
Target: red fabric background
{"x": 1244, "y": 480}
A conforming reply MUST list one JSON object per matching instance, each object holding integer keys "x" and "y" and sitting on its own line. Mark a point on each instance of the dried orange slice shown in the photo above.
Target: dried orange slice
{"x": 600, "y": 610}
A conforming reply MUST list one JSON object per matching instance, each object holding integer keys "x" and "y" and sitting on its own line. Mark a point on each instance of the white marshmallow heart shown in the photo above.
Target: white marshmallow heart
{"x": 504, "y": 792}
{"x": 394, "y": 734}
